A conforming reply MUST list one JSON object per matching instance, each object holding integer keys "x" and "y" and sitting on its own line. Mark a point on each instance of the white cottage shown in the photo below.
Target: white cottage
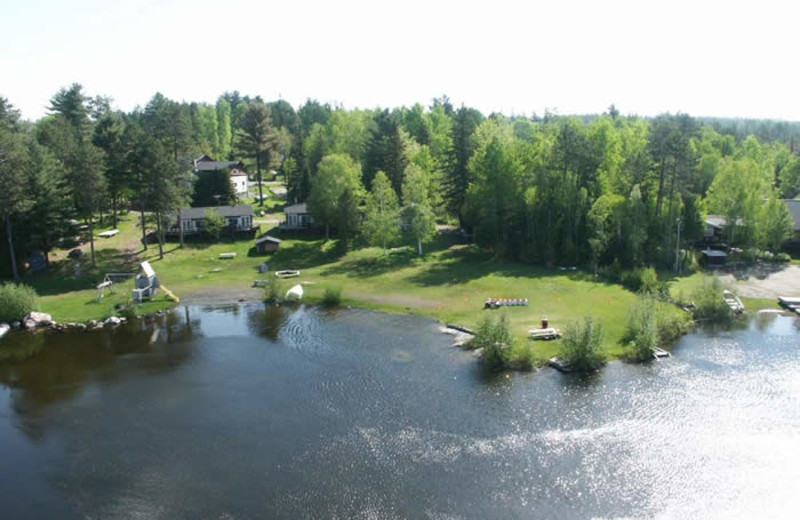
{"x": 238, "y": 218}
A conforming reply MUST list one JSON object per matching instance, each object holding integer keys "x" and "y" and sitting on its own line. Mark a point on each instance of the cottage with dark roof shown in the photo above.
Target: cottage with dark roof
{"x": 238, "y": 176}
{"x": 297, "y": 217}
{"x": 238, "y": 218}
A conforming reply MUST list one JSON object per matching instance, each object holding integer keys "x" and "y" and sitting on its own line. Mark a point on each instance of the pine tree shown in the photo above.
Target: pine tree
{"x": 257, "y": 139}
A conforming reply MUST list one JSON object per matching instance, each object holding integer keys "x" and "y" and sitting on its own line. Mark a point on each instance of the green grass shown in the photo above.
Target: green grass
{"x": 450, "y": 283}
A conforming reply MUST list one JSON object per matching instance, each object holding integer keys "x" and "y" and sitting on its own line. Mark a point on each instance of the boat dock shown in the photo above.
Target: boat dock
{"x": 790, "y": 302}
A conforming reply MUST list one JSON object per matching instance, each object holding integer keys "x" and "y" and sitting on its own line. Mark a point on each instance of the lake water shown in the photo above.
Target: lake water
{"x": 252, "y": 412}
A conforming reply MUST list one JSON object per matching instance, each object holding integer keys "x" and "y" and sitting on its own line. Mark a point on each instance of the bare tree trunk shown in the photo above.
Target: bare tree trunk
{"x": 114, "y": 210}
{"x": 14, "y": 270}
{"x": 327, "y": 232}
{"x": 258, "y": 171}
{"x": 91, "y": 240}
{"x": 180, "y": 228}
{"x": 419, "y": 245}
{"x": 160, "y": 236}
{"x": 144, "y": 228}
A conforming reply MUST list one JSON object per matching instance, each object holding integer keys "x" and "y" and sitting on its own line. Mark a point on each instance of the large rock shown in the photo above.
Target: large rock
{"x": 113, "y": 321}
{"x": 35, "y": 320}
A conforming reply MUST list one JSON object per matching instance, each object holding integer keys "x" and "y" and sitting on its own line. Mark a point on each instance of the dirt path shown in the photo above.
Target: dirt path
{"x": 765, "y": 281}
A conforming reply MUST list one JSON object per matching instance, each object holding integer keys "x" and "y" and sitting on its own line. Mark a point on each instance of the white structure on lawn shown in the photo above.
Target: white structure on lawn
{"x": 146, "y": 283}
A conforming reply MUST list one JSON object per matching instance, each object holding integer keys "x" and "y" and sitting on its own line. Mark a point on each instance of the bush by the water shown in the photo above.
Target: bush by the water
{"x": 273, "y": 291}
{"x": 332, "y": 297}
{"x": 652, "y": 324}
{"x": 494, "y": 336}
{"x": 16, "y": 301}
{"x": 581, "y": 345}
{"x": 708, "y": 301}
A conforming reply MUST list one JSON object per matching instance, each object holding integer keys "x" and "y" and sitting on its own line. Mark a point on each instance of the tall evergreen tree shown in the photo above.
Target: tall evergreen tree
{"x": 257, "y": 139}
{"x": 457, "y": 174}
{"x": 14, "y": 199}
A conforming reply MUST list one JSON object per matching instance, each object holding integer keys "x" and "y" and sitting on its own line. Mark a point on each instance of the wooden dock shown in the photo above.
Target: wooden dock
{"x": 790, "y": 302}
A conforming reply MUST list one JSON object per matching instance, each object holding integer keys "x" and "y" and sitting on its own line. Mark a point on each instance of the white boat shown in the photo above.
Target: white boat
{"x": 108, "y": 234}
{"x": 295, "y": 293}
{"x": 287, "y": 274}
{"x": 733, "y": 301}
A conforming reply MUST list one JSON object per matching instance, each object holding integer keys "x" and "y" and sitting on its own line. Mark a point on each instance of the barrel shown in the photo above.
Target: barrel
{"x": 544, "y": 323}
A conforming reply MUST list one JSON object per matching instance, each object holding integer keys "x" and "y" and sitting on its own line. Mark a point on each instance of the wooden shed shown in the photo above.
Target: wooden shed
{"x": 267, "y": 244}
{"x": 713, "y": 257}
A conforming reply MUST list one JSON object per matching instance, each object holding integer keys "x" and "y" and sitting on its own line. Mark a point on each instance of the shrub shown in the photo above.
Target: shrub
{"x": 494, "y": 336}
{"x": 214, "y": 224}
{"x": 16, "y": 301}
{"x": 645, "y": 280}
{"x": 672, "y": 324}
{"x": 581, "y": 345}
{"x": 128, "y": 312}
{"x": 332, "y": 297}
{"x": 652, "y": 324}
{"x": 708, "y": 301}
{"x": 273, "y": 291}
{"x": 520, "y": 356}
{"x": 641, "y": 331}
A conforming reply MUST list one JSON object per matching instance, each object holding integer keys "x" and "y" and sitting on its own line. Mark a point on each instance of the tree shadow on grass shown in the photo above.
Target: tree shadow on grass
{"x": 304, "y": 254}
{"x": 61, "y": 277}
{"x": 462, "y": 264}
{"x": 373, "y": 266}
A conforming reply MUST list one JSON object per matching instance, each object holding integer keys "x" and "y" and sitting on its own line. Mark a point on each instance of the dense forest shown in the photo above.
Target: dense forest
{"x": 557, "y": 190}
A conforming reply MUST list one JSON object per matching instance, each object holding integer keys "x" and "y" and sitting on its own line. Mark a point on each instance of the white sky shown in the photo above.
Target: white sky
{"x": 719, "y": 58}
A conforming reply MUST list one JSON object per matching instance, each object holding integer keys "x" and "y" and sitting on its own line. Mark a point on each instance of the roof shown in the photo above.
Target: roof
{"x": 268, "y": 238}
{"x": 148, "y": 270}
{"x": 794, "y": 208}
{"x": 222, "y": 211}
{"x": 210, "y": 166}
{"x": 719, "y": 221}
{"x": 296, "y": 208}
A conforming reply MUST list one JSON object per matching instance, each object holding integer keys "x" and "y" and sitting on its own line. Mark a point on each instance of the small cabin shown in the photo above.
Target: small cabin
{"x": 267, "y": 244}
{"x": 714, "y": 257}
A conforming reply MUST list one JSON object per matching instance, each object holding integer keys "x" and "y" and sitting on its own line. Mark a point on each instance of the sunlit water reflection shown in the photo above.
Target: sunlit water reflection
{"x": 264, "y": 412}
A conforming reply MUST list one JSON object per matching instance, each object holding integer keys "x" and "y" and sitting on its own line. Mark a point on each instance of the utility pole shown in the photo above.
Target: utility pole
{"x": 678, "y": 248}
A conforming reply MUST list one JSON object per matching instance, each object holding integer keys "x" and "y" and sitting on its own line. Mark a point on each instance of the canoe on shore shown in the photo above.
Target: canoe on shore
{"x": 733, "y": 301}
{"x": 287, "y": 274}
{"x": 546, "y": 334}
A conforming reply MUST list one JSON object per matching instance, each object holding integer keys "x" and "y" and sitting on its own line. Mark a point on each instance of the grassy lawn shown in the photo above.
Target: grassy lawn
{"x": 450, "y": 283}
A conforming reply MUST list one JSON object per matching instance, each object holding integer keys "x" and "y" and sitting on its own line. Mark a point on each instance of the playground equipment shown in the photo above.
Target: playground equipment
{"x": 108, "y": 283}
{"x": 146, "y": 283}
